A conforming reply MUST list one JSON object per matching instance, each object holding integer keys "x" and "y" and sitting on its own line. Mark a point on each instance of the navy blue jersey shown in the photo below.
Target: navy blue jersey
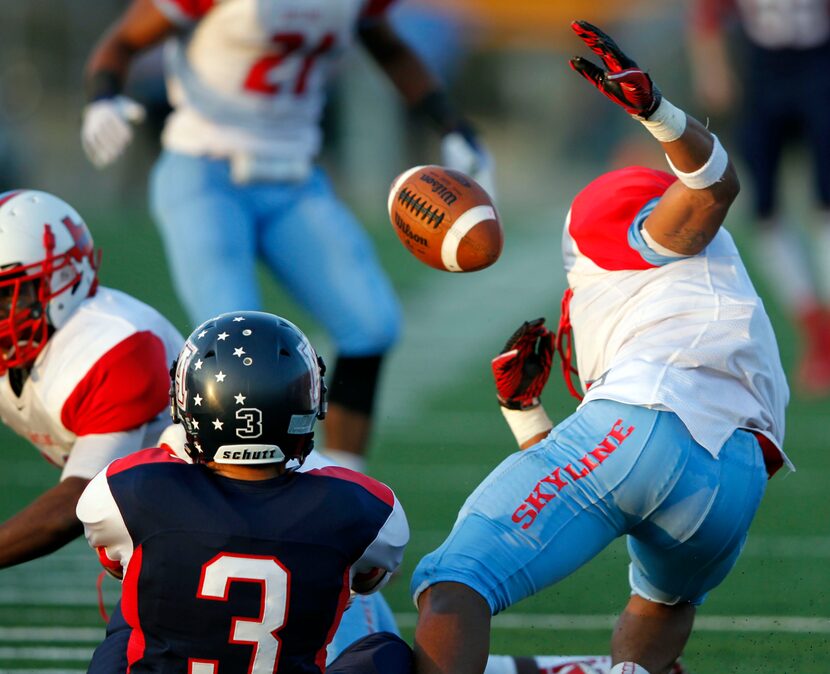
{"x": 224, "y": 575}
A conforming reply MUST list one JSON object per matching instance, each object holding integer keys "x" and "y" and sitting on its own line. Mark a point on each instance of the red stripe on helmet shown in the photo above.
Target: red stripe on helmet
{"x": 6, "y": 196}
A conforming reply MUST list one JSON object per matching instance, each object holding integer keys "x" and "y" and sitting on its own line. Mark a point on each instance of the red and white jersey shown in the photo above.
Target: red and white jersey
{"x": 100, "y": 388}
{"x": 772, "y": 24}
{"x": 249, "y": 76}
{"x": 686, "y": 334}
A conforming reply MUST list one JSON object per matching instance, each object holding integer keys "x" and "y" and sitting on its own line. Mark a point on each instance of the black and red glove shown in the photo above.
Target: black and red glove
{"x": 522, "y": 368}
{"x": 623, "y": 81}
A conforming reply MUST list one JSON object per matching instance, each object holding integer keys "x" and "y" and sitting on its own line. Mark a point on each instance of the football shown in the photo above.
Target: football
{"x": 445, "y": 219}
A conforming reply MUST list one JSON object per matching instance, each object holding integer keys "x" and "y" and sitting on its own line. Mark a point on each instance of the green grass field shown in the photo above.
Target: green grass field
{"x": 438, "y": 433}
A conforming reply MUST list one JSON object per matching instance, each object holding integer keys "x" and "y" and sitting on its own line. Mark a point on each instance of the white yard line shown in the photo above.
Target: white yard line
{"x": 508, "y": 621}
{"x": 53, "y": 634}
{"x": 539, "y": 621}
{"x": 45, "y": 654}
{"x": 62, "y": 670}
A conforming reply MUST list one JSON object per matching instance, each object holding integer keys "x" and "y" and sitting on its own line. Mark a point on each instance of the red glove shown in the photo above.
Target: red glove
{"x": 522, "y": 368}
{"x": 624, "y": 82}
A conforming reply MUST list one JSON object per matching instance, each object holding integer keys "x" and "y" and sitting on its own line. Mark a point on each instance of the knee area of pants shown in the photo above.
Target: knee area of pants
{"x": 379, "y": 336}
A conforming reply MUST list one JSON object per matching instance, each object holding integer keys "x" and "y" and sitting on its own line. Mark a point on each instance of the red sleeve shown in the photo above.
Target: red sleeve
{"x": 152, "y": 455}
{"x": 602, "y": 214}
{"x": 184, "y": 11}
{"x": 377, "y": 489}
{"x": 708, "y": 16}
{"x": 375, "y": 8}
{"x": 126, "y": 388}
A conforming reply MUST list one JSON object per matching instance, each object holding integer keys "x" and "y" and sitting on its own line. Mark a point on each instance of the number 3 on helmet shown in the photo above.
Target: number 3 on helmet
{"x": 47, "y": 268}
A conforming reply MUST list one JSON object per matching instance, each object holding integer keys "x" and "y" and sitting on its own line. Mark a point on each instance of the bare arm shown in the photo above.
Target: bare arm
{"x": 713, "y": 77}
{"x": 46, "y": 524}
{"x": 461, "y": 149}
{"x": 142, "y": 25}
{"x": 691, "y": 211}
{"x": 685, "y": 220}
{"x": 397, "y": 59}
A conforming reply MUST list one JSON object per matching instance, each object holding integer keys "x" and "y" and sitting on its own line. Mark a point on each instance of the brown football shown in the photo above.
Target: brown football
{"x": 445, "y": 219}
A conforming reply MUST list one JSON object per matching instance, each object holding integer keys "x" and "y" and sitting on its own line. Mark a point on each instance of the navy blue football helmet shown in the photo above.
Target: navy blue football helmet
{"x": 248, "y": 388}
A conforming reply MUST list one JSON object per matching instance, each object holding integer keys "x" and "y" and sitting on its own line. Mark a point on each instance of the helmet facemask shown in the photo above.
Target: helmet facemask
{"x": 48, "y": 268}
{"x": 23, "y": 326}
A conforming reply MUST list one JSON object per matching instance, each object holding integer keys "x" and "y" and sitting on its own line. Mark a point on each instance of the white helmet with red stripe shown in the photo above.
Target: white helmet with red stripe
{"x": 47, "y": 268}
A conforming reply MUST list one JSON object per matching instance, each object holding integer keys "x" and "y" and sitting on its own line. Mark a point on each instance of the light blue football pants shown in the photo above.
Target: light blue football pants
{"x": 608, "y": 470}
{"x": 214, "y": 232}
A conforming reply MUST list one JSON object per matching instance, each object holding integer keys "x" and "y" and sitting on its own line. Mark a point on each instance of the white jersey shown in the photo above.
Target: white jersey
{"x": 249, "y": 76}
{"x": 102, "y": 376}
{"x": 689, "y": 334}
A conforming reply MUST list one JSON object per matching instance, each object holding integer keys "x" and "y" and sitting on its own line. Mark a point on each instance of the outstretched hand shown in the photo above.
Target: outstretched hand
{"x": 621, "y": 80}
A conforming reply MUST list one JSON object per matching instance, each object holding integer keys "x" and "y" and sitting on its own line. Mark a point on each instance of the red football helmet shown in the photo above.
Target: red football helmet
{"x": 47, "y": 268}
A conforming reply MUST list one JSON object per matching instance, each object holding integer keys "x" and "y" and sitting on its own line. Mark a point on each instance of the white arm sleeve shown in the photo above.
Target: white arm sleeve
{"x": 384, "y": 554}
{"x": 91, "y": 453}
{"x": 104, "y": 527}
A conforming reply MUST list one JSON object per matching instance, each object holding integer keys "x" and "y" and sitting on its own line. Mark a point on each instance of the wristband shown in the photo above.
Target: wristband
{"x": 524, "y": 424}
{"x": 436, "y": 107}
{"x": 667, "y": 123}
{"x": 708, "y": 174}
{"x": 103, "y": 84}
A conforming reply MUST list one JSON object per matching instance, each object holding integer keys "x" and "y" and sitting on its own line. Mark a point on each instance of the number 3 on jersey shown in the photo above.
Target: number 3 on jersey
{"x": 261, "y": 76}
{"x": 273, "y": 577}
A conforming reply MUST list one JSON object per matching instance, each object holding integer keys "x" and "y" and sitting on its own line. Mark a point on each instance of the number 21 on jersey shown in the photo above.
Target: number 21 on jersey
{"x": 261, "y": 78}
{"x": 274, "y": 578}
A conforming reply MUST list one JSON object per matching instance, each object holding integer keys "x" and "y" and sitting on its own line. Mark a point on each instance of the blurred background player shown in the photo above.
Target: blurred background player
{"x": 682, "y": 420}
{"x": 83, "y": 368}
{"x": 773, "y": 56}
{"x": 237, "y": 561}
{"x": 237, "y": 180}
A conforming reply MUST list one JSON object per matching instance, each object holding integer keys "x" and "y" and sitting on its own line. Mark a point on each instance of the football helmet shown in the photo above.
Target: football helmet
{"x": 248, "y": 388}
{"x": 47, "y": 268}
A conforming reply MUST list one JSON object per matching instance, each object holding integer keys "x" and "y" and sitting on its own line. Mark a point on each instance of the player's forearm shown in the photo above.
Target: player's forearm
{"x": 411, "y": 78}
{"x": 107, "y": 69}
{"x": 692, "y": 151}
{"x": 141, "y": 26}
{"x": 45, "y": 525}
{"x": 708, "y": 54}
{"x": 399, "y": 62}
{"x": 693, "y": 209}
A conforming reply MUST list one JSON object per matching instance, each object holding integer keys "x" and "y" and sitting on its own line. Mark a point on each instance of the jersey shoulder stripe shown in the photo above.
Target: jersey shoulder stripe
{"x": 145, "y": 456}
{"x": 127, "y": 387}
{"x": 184, "y": 12}
{"x": 377, "y": 489}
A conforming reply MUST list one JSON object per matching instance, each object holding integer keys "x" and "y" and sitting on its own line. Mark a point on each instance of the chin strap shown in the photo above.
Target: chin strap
{"x": 99, "y": 584}
{"x": 564, "y": 344}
